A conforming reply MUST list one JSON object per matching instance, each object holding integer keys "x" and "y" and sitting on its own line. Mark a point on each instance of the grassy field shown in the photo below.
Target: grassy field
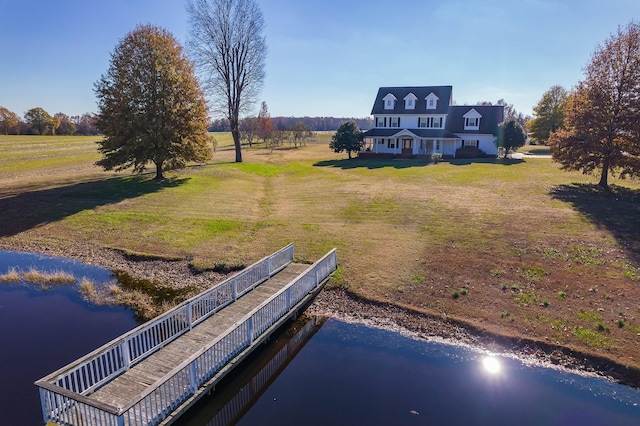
{"x": 516, "y": 248}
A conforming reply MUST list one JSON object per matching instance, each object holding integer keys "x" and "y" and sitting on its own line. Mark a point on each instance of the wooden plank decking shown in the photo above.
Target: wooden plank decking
{"x": 136, "y": 380}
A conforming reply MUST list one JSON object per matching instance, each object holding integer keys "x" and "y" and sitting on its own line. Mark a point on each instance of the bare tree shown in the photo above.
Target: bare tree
{"x": 249, "y": 130}
{"x": 227, "y": 43}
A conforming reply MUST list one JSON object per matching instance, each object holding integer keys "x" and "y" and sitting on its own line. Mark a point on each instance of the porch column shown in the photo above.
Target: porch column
{"x": 395, "y": 146}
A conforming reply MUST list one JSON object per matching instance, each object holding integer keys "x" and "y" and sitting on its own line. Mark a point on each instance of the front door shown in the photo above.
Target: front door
{"x": 407, "y": 146}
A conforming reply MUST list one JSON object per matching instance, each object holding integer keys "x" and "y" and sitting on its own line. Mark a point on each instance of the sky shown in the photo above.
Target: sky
{"x": 325, "y": 58}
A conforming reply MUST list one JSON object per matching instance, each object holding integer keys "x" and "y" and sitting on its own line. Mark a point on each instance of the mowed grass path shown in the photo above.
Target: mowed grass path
{"x": 525, "y": 246}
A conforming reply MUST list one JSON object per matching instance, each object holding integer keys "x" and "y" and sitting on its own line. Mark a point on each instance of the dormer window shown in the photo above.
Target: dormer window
{"x": 432, "y": 101}
{"x": 389, "y": 101}
{"x": 410, "y": 101}
{"x": 472, "y": 120}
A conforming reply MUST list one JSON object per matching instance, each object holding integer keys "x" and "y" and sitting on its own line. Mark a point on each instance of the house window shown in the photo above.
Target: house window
{"x": 438, "y": 145}
{"x": 430, "y": 122}
{"x": 472, "y": 143}
{"x": 391, "y": 143}
{"x": 380, "y": 141}
{"x": 471, "y": 122}
{"x": 381, "y": 121}
{"x": 395, "y": 122}
{"x": 431, "y": 103}
{"x": 409, "y": 103}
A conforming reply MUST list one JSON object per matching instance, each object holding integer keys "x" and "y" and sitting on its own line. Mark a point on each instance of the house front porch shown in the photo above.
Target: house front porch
{"x": 415, "y": 143}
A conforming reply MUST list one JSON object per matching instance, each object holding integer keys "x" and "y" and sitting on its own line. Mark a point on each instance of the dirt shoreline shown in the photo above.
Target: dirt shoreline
{"x": 344, "y": 305}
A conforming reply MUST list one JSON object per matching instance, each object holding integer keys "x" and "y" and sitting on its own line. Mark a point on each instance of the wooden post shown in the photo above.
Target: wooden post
{"x": 190, "y": 315}
{"x": 126, "y": 355}
{"x": 43, "y": 404}
{"x": 250, "y": 329}
{"x": 234, "y": 286}
{"x": 194, "y": 376}
{"x": 288, "y": 297}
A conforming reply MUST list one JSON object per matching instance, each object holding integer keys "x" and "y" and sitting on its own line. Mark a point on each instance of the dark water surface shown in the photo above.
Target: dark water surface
{"x": 346, "y": 374}
{"x": 318, "y": 372}
{"x": 43, "y": 330}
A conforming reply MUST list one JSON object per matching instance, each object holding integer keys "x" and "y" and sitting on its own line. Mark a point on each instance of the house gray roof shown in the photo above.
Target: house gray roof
{"x": 491, "y": 117}
{"x": 442, "y": 92}
{"x": 423, "y": 133}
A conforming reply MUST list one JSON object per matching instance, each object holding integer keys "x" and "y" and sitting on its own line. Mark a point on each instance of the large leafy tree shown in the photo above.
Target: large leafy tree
{"x": 227, "y": 42}
{"x": 549, "y": 112}
{"x": 511, "y": 135}
{"x": 603, "y": 112}
{"x": 348, "y": 138}
{"x": 151, "y": 108}
{"x": 39, "y": 120}
{"x": 8, "y": 120}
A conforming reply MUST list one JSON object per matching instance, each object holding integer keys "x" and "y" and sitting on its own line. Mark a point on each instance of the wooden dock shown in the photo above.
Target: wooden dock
{"x": 155, "y": 372}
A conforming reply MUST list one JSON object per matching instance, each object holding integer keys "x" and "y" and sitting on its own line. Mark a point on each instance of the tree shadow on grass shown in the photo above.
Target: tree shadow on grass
{"x": 540, "y": 151}
{"x": 356, "y": 163}
{"x": 617, "y": 210}
{"x": 28, "y": 210}
{"x": 496, "y": 161}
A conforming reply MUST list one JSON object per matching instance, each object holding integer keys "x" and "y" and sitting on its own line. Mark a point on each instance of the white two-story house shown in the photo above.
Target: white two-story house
{"x": 420, "y": 121}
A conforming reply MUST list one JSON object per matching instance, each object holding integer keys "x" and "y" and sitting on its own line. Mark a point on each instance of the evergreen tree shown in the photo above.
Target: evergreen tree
{"x": 348, "y": 138}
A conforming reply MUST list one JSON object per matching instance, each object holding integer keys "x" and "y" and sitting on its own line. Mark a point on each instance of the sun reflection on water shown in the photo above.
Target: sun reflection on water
{"x": 491, "y": 365}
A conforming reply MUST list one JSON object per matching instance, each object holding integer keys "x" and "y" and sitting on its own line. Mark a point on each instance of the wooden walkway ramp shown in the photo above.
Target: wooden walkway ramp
{"x": 155, "y": 372}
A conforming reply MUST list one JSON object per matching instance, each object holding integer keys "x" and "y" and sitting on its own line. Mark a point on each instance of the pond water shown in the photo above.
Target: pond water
{"x": 44, "y": 330}
{"x": 316, "y": 372}
{"x": 349, "y": 374}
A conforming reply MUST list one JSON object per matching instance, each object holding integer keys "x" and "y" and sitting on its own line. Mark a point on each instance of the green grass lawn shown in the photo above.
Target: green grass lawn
{"x": 407, "y": 232}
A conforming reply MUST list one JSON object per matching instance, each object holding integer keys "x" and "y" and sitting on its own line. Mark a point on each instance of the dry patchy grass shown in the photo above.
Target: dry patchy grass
{"x": 36, "y": 276}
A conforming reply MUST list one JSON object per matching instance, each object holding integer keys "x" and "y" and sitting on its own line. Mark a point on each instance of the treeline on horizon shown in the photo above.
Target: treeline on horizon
{"x": 37, "y": 121}
{"x": 317, "y": 124}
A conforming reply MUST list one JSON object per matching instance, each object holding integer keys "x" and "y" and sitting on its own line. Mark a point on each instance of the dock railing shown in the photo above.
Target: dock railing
{"x": 164, "y": 396}
{"x": 70, "y": 385}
